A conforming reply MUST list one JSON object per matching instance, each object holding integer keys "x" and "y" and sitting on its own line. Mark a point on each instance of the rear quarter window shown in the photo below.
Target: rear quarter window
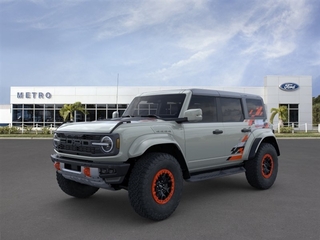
{"x": 255, "y": 108}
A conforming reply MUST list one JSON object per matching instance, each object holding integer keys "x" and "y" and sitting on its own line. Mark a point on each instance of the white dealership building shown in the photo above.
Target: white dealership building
{"x": 39, "y": 106}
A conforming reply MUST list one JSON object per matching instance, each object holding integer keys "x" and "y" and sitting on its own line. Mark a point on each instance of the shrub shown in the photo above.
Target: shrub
{"x": 14, "y": 130}
{"x": 45, "y": 130}
{"x": 28, "y": 129}
{"x": 4, "y": 130}
{"x": 286, "y": 129}
{"x": 9, "y": 130}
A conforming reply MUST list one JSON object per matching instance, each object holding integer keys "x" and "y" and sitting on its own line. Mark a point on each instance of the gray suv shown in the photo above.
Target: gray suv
{"x": 163, "y": 138}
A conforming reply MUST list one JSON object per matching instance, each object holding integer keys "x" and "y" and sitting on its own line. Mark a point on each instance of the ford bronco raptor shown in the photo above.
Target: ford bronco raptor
{"x": 163, "y": 138}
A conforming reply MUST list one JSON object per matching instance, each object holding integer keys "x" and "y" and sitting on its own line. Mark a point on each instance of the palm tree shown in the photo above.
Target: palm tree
{"x": 282, "y": 112}
{"x": 66, "y": 112}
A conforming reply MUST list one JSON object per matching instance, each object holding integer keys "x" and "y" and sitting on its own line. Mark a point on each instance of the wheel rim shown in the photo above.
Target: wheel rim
{"x": 163, "y": 186}
{"x": 267, "y": 166}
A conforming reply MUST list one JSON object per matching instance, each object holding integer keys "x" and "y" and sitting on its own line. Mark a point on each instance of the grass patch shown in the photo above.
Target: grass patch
{"x": 298, "y": 134}
{"x": 26, "y": 135}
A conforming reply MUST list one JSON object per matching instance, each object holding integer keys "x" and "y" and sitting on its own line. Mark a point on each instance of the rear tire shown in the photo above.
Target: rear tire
{"x": 262, "y": 170}
{"x": 75, "y": 189}
{"x": 155, "y": 186}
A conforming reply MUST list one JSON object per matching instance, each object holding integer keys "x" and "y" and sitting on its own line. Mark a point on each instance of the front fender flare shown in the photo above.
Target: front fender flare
{"x": 143, "y": 143}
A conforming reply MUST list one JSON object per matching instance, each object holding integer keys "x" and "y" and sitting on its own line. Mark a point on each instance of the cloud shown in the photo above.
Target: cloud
{"x": 266, "y": 30}
{"x": 139, "y": 15}
{"x": 276, "y": 27}
{"x": 316, "y": 60}
{"x": 158, "y": 42}
{"x": 176, "y": 68}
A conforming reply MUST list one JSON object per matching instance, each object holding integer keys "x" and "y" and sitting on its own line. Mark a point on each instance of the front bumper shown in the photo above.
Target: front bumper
{"x": 98, "y": 174}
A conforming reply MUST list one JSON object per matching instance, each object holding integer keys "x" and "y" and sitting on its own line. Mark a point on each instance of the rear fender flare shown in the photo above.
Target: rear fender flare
{"x": 257, "y": 142}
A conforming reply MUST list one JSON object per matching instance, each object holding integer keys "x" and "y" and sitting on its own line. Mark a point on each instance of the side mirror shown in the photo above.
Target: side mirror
{"x": 193, "y": 115}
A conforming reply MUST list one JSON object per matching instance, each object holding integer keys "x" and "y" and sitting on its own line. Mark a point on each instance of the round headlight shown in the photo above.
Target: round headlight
{"x": 106, "y": 144}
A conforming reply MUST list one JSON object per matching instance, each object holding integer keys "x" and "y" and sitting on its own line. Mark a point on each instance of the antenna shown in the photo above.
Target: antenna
{"x": 117, "y": 91}
{"x": 116, "y": 113}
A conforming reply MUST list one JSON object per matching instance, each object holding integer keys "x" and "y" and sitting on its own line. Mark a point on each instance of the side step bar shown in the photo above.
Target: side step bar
{"x": 216, "y": 174}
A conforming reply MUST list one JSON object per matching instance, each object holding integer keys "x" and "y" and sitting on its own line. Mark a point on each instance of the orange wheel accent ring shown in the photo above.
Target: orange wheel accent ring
{"x": 267, "y": 166}
{"x": 163, "y": 186}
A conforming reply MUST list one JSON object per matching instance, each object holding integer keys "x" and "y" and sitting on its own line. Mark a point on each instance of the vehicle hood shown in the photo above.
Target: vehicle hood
{"x": 101, "y": 126}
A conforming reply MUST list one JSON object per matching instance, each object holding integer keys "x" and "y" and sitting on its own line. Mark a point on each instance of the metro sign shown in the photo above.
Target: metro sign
{"x": 289, "y": 86}
{"x": 34, "y": 95}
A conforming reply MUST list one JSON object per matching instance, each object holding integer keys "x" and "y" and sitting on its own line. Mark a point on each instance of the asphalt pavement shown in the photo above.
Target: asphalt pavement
{"x": 33, "y": 206}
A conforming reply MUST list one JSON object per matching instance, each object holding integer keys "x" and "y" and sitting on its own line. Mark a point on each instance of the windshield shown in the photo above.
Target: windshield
{"x": 162, "y": 106}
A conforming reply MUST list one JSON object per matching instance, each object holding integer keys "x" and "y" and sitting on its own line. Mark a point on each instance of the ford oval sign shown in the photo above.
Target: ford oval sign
{"x": 289, "y": 86}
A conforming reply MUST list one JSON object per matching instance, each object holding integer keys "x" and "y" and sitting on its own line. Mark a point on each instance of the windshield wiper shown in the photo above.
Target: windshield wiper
{"x": 127, "y": 116}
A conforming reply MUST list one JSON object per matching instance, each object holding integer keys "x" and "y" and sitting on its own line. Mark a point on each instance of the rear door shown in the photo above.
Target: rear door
{"x": 236, "y": 129}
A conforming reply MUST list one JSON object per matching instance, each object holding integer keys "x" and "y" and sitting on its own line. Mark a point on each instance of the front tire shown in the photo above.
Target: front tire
{"x": 262, "y": 170}
{"x": 75, "y": 189}
{"x": 155, "y": 186}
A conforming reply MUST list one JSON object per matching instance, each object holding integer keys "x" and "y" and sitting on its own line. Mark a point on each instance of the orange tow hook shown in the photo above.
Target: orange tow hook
{"x": 57, "y": 166}
{"x": 86, "y": 171}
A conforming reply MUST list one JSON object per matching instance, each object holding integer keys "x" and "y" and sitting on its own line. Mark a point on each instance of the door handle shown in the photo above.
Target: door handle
{"x": 217, "y": 131}
{"x": 244, "y": 130}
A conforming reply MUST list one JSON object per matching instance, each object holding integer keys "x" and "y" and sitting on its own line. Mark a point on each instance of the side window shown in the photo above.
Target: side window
{"x": 255, "y": 107}
{"x": 208, "y": 106}
{"x": 231, "y": 109}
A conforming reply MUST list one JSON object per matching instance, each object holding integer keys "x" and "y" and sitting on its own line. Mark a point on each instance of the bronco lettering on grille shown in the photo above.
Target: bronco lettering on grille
{"x": 77, "y": 142}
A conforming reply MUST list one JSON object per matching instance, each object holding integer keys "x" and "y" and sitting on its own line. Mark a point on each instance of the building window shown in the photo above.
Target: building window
{"x": 293, "y": 115}
{"x": 48, "y": 114}
{"x": 113, "y": 107}
{"x": 38, "y": 115}
{"x": 91, "y": 112}
{"x": 57, "y": 118}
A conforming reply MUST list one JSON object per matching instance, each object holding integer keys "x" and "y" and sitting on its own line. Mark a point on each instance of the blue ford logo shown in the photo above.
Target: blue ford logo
{"x": 289, "y": 86}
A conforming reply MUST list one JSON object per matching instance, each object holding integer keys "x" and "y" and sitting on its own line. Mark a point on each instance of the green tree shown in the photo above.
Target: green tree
{"x": 66, "y": 112}
{"x": 316, "y": 110}
{"x": 282, "y": 112}
{"x": 316, "y": 113}
{"x": 315, "y": 100}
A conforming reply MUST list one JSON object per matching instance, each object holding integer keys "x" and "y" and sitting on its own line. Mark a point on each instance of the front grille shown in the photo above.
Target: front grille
{"x": 79, "y": 144}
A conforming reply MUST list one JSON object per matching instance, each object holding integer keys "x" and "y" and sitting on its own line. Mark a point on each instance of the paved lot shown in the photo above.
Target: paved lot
{"x": 33, "y": 206}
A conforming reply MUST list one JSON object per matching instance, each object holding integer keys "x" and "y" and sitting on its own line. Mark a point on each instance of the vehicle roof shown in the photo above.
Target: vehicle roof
{"x": 201, "y": 91}
{"x": 162, "y": 92}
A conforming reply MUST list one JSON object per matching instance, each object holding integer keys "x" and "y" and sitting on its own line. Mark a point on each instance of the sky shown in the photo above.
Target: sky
{"x": 156, "y": 43}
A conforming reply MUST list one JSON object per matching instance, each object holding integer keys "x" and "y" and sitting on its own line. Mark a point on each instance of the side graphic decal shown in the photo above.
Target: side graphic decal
{"x": 237, "y": 151}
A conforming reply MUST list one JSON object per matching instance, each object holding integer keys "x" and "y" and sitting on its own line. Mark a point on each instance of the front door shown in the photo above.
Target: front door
{"x": 204, "y": 140}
